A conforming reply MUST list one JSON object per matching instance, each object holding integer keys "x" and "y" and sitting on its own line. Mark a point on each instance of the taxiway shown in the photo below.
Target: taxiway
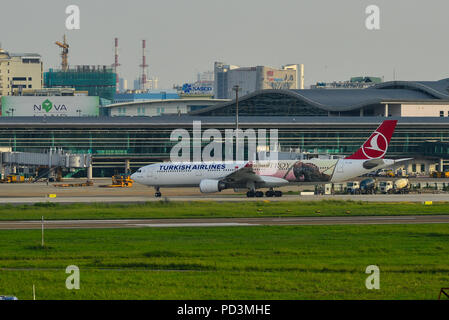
{"x": 223, "y": 222}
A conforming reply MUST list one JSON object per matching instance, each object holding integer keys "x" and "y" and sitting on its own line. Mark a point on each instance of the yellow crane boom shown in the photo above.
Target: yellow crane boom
{"x": 65, "y": 53}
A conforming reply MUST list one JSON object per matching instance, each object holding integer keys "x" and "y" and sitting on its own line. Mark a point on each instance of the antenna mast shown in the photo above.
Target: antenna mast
{"x": 144, "y": 66}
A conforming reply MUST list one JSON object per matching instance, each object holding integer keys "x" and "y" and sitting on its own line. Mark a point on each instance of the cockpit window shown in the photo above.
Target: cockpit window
{"x": 139, "y": 171}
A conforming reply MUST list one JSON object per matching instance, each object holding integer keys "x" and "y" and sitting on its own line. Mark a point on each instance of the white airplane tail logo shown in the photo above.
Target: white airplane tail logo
{"x": 377, "y": 144}
{"x": 375, "y": 148}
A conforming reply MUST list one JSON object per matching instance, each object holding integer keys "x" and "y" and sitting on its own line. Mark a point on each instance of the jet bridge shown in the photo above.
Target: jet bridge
{"x": 51, "y": 159}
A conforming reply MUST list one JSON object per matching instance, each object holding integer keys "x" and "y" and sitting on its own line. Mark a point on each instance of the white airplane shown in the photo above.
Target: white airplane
{"x": 216, "y": 176}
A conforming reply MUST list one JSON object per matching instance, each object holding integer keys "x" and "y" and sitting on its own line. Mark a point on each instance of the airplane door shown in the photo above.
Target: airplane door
{"x": 340, "y": 166}
{"x": 150, "y": 175}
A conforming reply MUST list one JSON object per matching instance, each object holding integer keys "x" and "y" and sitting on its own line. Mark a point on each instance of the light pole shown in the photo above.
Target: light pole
{"x": 49, "y": 165}
{"x": 236, "y": 88}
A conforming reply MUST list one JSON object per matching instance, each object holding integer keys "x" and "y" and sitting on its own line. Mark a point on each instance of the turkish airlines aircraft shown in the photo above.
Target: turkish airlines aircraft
{"x": 217, "y": 176}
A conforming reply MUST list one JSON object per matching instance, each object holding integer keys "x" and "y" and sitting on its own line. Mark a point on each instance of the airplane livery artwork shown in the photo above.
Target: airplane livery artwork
{"x": 322, "y": 170}
{"x": 313, "y": 170}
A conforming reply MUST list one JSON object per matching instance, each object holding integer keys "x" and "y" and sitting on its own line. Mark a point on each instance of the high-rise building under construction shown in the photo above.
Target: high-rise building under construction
{"x": 96, "y": 80}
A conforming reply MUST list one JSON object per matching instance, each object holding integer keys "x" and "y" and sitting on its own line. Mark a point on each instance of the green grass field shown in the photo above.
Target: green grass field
{"x": 263, "y": 262}
{"x": 196, "y": 209}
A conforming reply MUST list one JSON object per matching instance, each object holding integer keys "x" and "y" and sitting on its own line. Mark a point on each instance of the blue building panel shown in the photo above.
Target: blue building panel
{"x": 151, "y": 95}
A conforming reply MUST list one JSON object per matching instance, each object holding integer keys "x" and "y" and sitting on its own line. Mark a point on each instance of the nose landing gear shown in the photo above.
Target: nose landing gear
{"x": 157, "y": 194}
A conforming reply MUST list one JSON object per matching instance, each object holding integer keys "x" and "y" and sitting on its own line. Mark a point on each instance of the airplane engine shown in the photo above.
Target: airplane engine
{"x": 210, "y": 185}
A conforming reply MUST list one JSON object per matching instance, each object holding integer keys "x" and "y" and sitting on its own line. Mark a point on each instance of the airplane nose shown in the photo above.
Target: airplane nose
{"x": 133, "y": 176}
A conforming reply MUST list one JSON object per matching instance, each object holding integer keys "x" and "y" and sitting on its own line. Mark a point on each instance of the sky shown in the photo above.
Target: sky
{"x": 185, "y": 37}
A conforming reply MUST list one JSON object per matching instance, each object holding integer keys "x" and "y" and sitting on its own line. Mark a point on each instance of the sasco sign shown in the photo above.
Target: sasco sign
{"x": 189, "y": 88}
{"x": 71, "y": 106}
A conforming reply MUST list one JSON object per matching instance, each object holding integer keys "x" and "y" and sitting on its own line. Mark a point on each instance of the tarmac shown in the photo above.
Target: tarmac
{"x": 29, "y": 193}
{"x": 420, "y": 198}
{"x": 223, "y": 222}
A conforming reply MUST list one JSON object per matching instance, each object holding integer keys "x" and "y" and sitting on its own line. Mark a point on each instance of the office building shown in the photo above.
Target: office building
{"x": 251, "y": 79}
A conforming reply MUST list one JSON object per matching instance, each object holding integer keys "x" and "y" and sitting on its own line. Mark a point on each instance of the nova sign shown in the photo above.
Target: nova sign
{"x": 47, "y": 105}
{"x": 65, "y": 106}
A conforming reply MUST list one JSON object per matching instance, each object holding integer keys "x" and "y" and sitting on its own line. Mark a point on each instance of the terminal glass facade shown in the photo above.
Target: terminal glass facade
{"x": 273, "y": 104}
{"x": 110, "y": 146}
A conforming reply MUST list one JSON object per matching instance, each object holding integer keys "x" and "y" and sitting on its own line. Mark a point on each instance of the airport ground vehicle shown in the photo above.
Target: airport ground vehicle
{"x": 252, "y": 175}
{"x": 324, "y": 189}
{"x": 123, "y": 180}
{"x": 88, "y": 183}
{"x": 368, "y": 186}
{"x": 401, "y": 173}
{"x": 402, "y": 186}
{"x": 385, "y": 173}
{"x": 439, "y": 174}
{"x": 398, "y": 186}
{"x": 390, "y": 173}
{"x": 353, "y": 187}
{"x": 386, "y": 186}
{"x": 13, "y": 178}
{"x": 120, "y": 181}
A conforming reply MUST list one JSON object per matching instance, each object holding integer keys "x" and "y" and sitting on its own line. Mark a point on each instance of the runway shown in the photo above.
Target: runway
{"x": 223, "y": 222}
{"x": 443, "y": 197}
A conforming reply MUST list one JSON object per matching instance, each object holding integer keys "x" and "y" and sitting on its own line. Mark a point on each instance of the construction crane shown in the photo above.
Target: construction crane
{"x": 65, "y": 53}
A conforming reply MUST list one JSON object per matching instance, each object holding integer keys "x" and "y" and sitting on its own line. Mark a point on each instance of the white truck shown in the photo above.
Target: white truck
{"x": 397, "y": 186}
{"x": 353, "y": 187}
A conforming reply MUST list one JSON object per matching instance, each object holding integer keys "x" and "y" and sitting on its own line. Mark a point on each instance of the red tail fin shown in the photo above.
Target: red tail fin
{"x": 377, "y": 144}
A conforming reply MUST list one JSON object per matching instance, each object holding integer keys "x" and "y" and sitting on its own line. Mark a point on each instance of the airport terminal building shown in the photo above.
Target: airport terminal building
{"x": 388, "y": 99}
{"x": 316, "y": 121}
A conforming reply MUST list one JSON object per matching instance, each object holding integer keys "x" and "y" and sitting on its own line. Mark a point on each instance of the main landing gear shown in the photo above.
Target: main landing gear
{"x": 157, "y": 194}
{"x": 253, "y": 193}
{"x": 271, "y": 193}
{"x": 259, "y": 194}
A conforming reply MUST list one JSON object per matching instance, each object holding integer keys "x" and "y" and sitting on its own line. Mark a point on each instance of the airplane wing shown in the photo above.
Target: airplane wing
{"x": 245, "y": 174}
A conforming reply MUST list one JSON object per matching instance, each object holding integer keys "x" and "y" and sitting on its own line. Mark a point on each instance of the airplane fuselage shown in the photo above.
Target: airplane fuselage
{"x": 190, "y": 174}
